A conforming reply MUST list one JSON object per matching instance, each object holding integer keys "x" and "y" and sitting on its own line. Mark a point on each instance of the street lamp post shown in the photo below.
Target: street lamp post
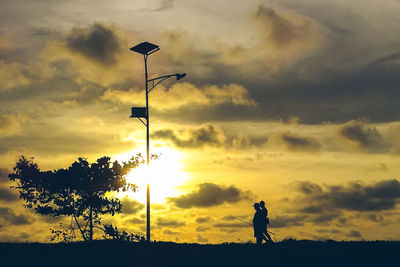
{"x": 147, "y": 49}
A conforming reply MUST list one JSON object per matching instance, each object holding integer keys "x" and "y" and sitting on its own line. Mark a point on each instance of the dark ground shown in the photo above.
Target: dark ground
{"x": 286, "y": 253}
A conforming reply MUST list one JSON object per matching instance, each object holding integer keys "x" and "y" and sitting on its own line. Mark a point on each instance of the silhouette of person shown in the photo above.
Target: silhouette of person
{"x": 258, "y": 224}
{"x": 264, "y": 214}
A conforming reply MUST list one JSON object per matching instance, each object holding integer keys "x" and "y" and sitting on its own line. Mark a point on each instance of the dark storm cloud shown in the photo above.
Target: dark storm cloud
{"x": 165, "y": 222}
{"x": 333, "y": 97}
{"x": 97, "y": 42}
{"x": 208, "y": 195}
{"x": 8, "y": 195}
{"x": 11, "y": 217}
{"x": 355, "y": 196}
{"x": 287, "y": 221}
{"x": 207, "y": 135}
{"x": 131, "y": 206}
{"x": 316, "y": 89}
{"x": 298, "y": 143}
{"x": 365, "y": 137}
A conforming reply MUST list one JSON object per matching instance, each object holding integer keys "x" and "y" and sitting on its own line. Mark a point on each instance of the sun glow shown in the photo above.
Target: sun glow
{"x": 163, "y": 175}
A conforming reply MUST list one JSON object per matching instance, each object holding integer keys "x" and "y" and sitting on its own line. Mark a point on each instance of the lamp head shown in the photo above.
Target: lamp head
{"x": 180, "y": 76}
{"x": 145, "y": 48}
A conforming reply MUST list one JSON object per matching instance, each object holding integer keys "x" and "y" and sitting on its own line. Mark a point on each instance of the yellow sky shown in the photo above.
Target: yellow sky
{"x": 283, "y": 102}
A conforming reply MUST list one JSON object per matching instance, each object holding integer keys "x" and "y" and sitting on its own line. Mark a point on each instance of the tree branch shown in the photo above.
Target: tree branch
{"x": 80, "y": 229}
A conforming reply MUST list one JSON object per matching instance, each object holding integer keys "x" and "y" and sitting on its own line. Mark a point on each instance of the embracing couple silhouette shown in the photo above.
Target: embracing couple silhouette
{"x": 260, "y": 223}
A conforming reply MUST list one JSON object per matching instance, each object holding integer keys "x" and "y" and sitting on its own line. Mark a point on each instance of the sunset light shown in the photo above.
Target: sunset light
{"x": 164, "y": 174}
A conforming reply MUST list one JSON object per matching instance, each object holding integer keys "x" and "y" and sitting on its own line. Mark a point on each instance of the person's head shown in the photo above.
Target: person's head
{"x": 262, "y": 203}
{"x": 256, "y": 206}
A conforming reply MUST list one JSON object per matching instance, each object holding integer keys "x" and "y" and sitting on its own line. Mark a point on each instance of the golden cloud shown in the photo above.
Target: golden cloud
{"x": 184, "y": 94}
{"x": 286, "y": 33}
{"x": 10, "y": 124}
{"x": 13, "y": 74}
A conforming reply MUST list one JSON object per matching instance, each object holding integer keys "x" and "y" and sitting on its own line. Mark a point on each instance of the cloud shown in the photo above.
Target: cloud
{"x": 356, "y": 196}
{"x": 308, "y": 188}
{"x": 134, "y": 220}
{"x": 312, "y": 209}
{"x": 332, "y": 231}
{"x": 169, "y": 232}
{"x": 10, "y": 124}
{"x": 203, "y": 219}
{"x": 354, "y": 233}
{"x": 287, "y": 221}
{"x": 367, "y": 138}
{"x": 283, "y": 32}
{"x": 3, "y": 175}
{"x": 184, "y": 95}
{"x": 228, "y": 218}
{"x": 208, "y": 195}
{"x": 158, "y": 5}
{"x": 8, "y": 195}
{"x": 205, "y": 135}
{"x": 229, "y": 230}
{"x": 375, "y": 217}
{"x": 324, "y": 218}
{"x": 202, "y": 229}
{"x": 131, "y": 206}
{"x": 11, "y": 217}
{"x": 201, "y": 239}
{"x": 97, "y": 43}
{"x": 164, "y": 222}
{"x": 14, "y": 75}
{"x": 294, "y": 142}
{"x": 231, "y": 225}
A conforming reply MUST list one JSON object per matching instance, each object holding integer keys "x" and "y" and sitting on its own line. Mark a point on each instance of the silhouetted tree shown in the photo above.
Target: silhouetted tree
{"x": 78, "y": 191}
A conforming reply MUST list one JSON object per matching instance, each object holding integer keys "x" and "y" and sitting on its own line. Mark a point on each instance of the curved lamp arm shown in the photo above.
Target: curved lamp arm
{"x": 162, "y": 78}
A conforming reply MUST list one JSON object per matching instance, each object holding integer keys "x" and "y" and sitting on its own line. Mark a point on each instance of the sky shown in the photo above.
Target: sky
{"x": 290, "y": 102}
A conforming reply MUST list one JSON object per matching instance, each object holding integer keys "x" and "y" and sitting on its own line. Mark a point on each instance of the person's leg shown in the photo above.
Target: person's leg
{"x": 264, "y": 238}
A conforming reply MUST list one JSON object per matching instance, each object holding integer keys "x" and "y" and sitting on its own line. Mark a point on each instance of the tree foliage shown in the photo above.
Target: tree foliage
{"x": 78, "y": 191}
{"x": 112, "y": 232}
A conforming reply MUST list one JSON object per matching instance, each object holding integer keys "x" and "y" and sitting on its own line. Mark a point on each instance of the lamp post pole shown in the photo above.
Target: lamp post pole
{"x": 148, "y": 152}
{"x": 146, "y": 49}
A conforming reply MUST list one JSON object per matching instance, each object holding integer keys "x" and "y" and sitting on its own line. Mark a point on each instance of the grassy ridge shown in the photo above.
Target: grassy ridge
{"x": 286, "y": 253}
